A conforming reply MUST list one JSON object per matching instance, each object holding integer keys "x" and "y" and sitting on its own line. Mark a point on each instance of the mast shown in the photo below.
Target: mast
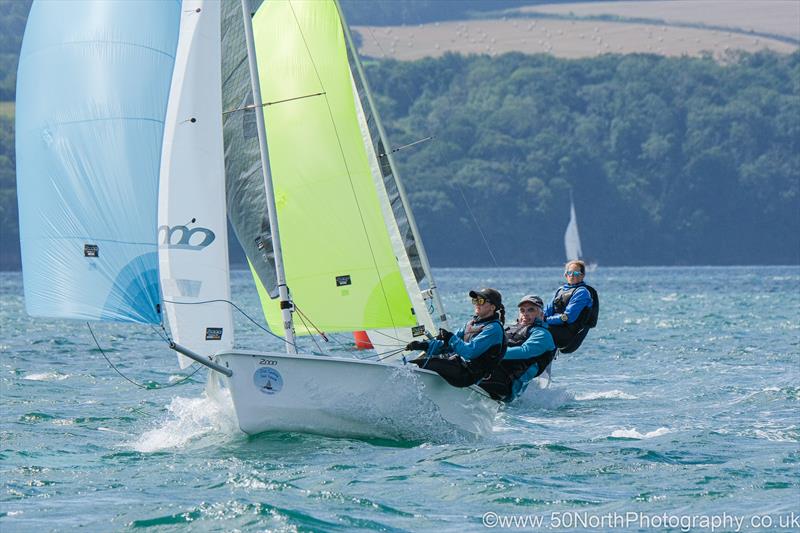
{"x": 426, "y": 267}
{"x": 283, "y": 289}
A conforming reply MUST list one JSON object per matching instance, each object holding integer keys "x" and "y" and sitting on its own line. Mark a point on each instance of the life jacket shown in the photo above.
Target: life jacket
{"x": 515, "y": 368}
{"x": 517, "y": 334}
{"x": 576, "y": 331}
{"x": 588, "y": 316}
{"x": 481, "y": 366}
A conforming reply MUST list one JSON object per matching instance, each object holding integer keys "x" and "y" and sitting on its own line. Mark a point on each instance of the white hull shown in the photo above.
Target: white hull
{"x": 347, "y": 397}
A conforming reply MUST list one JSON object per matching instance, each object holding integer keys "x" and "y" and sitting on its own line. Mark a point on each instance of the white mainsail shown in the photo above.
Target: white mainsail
{"x": 193, "y": 244}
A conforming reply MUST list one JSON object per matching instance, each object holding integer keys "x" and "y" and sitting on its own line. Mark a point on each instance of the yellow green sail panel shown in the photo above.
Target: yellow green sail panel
{"x": 339, "y": 261}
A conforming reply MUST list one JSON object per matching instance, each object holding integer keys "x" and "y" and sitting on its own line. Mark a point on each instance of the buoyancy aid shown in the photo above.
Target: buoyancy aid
{"x": 588, "y": 316}
{"x": 516, "y": 335}
{"x": 569, "y": 337}
{"x": 482, "y": 365}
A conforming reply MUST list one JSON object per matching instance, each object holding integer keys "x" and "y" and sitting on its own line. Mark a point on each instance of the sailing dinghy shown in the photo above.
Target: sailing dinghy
{"x": 171, "y": 117}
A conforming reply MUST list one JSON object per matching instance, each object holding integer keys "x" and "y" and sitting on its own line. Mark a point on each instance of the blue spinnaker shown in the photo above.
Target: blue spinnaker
{"x": 92, "y": 91}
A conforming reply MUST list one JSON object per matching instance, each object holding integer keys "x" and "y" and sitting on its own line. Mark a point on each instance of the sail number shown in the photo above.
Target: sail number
{"x": 269, "y": 362}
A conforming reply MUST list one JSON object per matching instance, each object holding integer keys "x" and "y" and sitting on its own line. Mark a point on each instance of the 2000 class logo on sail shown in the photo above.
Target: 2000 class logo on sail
{"x": 183, "y": 237}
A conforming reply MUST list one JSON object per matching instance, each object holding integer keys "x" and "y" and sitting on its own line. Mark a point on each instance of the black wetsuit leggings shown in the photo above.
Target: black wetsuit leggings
{"x": 567, "y": 340}
{"x": 562, "y": 335}
{"x": 498, "y": 385}
{"x": 452, "y": 370}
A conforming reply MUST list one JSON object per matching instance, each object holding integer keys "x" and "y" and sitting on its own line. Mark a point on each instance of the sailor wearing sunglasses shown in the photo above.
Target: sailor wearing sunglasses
{"x": 574, "y": 309}
{"x": 530, "y": 351}
{"x": 472, "y": 352}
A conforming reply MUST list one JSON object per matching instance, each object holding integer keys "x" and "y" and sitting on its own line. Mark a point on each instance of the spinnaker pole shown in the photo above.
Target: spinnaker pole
{"x": 423, "y": 257}
{"x": 283, "y": 290}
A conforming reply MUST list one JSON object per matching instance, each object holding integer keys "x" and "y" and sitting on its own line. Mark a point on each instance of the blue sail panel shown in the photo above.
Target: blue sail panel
{"x": 92, "y": 90}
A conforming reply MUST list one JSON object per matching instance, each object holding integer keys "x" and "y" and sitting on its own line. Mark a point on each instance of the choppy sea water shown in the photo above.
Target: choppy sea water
{"x": 680, "y": 412}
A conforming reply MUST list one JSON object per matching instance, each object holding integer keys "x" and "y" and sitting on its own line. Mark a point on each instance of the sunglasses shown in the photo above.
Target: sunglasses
{"x": 480, "y": 300}
{"x": 573, "y": 273}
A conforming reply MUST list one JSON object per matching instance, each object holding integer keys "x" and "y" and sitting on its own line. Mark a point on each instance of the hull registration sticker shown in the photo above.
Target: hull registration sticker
{"x": 268, "y": 380}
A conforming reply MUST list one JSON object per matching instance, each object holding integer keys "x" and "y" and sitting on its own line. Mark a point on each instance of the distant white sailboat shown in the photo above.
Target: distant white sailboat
{"x": 572, "y": 239}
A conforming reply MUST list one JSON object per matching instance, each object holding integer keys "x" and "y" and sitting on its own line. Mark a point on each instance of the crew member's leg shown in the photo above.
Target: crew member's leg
{"x": 562, "y": 335}
{"x": 498, "y": 385}
{"x": 452, "y": 370}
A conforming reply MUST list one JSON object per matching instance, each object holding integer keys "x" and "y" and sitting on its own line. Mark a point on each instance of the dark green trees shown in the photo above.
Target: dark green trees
{"x": 670, "y": 160}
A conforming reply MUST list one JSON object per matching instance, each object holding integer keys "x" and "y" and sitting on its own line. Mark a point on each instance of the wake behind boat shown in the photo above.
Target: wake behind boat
{"x": 311, "y": 191}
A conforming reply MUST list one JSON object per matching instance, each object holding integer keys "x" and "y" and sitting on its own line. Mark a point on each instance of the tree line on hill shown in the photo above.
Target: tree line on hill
{"x": 669, "y": 160}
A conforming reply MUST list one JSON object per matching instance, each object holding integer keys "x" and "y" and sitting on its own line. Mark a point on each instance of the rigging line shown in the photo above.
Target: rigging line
{"x": 300, "y": 312}
{"x": 312, "y": 336}
{"x": 405, "y": 90}
{"x": 265, "y": 104}
{"x": 238, "y": 309}
{"x": 480, "y": 230}
{"x": 326, "y": 337}
{"x": 169, "y": 339}
{"x": 163, "y": 338}
{"x": 390, "y": 354}
{"x": 145, "y": 387}
{"x": 385, "y": 345}
{"x": 387, "y": 336}
{"x": 419, "y": 248}
{"x": 378, "y": 355}
{"x": 372, "y": 33}
{"x": 394, "y": 150}
{"x": 347, "y": 168}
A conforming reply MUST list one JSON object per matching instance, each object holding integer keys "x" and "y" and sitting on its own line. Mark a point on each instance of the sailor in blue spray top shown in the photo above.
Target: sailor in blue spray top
{"x": 574, "y": 309}
{"x": 472, "y": 352}
{"x": 530, "y": 350}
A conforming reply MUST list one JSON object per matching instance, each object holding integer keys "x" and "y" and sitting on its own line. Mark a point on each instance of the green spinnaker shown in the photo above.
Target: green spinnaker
{"x": 340, "y": 266}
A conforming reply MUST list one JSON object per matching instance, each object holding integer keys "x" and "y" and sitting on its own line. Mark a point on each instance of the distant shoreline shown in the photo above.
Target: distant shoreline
{"x": 244, "y": 268}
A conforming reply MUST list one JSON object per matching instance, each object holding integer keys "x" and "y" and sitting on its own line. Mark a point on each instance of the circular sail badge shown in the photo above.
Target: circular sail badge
{"x": 268, "y": 380}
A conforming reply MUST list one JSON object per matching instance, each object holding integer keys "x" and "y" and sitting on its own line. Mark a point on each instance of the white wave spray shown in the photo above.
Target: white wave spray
{"x": 189, "y": 419}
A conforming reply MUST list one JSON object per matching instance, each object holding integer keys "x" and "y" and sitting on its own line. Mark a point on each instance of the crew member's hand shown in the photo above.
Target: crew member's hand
{"x": 444, "y": 336}
{"x": 417, "y": 345}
